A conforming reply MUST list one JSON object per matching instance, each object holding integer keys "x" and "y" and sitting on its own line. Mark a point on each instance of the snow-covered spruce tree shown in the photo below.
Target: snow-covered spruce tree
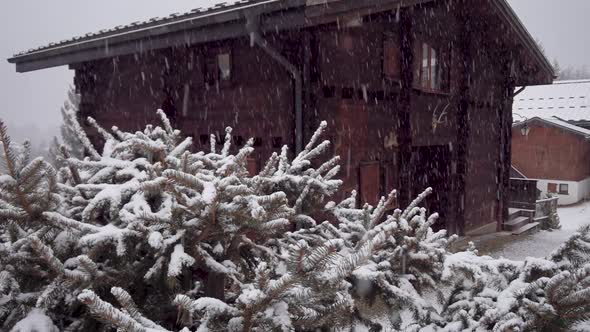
{"x": 69, "y": 130}
{"x": 31, "y": 272}
{"x": 162, "y": 221}
{"x": 147, "y": 236}
{"x": 501, "y": 295}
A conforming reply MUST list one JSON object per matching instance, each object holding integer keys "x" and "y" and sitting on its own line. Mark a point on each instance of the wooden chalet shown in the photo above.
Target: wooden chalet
{"x": 416, "y": 93}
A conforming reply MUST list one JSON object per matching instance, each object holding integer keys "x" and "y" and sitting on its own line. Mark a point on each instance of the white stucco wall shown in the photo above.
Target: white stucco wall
{"x": 578, "y": 191}
{"x": 584, "y": 189}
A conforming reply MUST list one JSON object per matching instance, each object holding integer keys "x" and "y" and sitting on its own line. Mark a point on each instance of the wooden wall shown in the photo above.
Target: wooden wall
{"x": 551, "y": 153}
{"x": 382, "y": 127}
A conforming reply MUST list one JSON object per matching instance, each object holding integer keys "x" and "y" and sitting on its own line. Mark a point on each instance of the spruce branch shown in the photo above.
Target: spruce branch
{"x": 109, "y": 314}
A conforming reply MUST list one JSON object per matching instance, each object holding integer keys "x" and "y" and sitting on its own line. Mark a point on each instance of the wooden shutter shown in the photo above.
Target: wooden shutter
{"x": 391, "y": 59}
{"x": 252, "y": 166}
{"x": 369, "y": 182}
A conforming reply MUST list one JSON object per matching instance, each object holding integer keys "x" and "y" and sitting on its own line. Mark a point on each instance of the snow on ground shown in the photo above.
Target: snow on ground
{"x": 542, "y": 243}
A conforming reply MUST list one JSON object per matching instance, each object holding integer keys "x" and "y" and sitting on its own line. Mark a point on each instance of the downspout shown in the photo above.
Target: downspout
{"x": 253, "y": 28}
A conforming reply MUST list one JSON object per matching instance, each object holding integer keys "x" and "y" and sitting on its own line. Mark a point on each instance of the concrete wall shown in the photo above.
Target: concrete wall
{"x": 584, "y": 189}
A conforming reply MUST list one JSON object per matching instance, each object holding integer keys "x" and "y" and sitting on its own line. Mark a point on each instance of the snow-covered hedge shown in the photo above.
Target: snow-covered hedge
{"x": 145, "y": 235}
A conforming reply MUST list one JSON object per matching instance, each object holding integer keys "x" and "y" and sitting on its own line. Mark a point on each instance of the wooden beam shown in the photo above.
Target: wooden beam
{"x": 459, "y": 171}
{"x": 308, "y": 118}
{"x": 506, "y": 121}
{"x": 404, "y": 121}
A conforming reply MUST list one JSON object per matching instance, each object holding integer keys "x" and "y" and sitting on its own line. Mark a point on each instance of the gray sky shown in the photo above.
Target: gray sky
{"x": 35, "y": 98}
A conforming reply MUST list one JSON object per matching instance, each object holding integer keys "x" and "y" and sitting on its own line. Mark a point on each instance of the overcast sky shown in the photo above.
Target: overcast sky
{"x": 35, "y": 98}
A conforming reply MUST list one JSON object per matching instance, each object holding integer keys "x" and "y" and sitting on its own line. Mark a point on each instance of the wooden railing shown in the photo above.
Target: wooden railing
{"x": 546, "y": 213}
{"x": 523, "y": 193}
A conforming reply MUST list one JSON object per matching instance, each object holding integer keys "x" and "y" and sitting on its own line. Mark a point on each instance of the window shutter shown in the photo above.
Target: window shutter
{"x": 370, "y": 182}
{"x": 391, "y": 59}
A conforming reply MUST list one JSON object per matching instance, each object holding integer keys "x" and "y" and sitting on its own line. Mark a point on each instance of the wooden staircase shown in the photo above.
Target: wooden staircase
{"x": 521, "y": 221}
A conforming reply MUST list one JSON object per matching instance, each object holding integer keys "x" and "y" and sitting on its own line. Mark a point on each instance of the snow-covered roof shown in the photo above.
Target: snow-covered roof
{"x": 218, "y": 6}
{"x": 555, "y": 122}
{"x": 566, "y": 100}
{"x": 165, "y": 32}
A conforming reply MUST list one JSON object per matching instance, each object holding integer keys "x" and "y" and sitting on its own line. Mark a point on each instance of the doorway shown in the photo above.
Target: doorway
{"x": 431, "y": 168}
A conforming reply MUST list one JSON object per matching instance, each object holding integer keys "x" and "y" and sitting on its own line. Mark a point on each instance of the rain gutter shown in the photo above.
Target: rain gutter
{"x": 253, "y": 28}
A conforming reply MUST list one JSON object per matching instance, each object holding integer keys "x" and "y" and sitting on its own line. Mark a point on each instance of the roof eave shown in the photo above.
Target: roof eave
{"x": 206, "y": 27}
{"x": 550, "y": 123}
{"x": 527, "y": 39}
{"x": 192, "y": 30}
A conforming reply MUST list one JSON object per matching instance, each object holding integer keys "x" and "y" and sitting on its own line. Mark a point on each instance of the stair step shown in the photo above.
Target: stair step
{"x": 527, "y": 229}
{"x": 514, "y": 212}
{"x": 516, "y": 223}
{"x": 527, "y": 213}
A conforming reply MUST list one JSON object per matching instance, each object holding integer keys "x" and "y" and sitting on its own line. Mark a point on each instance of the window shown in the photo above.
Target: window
{"x": 564, "y": 189}
{"x": 552, "y": 188}
{"x": 432, "y": 73}
{"x": 224, "y": 66}
{"x": 218, "y": 68}
{"x": 168, "y": 105}
{"x": 391, "y": 59}
{"x": 238, "y": 140}
{"x": 347, "y": 93}
{"x": 277, "y": 142}
{"x": 329, "y": 91}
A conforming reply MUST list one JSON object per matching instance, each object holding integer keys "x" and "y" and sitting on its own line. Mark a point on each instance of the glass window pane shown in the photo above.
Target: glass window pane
{"x": 564, "y": 189}
{"x": 425, "y": 65}
{"x": 224, "y": 65}
{"x": 434, "y": 70}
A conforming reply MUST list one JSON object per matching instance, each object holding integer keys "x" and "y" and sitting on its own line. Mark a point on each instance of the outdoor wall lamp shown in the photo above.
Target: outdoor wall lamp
{"x": 525, "y": 130}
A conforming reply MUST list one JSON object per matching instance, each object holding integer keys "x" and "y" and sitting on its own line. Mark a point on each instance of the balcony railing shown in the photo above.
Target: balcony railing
{"x": 523, "y": 193}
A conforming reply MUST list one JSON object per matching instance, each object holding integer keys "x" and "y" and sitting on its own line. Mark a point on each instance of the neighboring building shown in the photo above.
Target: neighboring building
{"x": 557, "y": 154}
{"x": 417, "y": 93}
{"x": 565, "y": 100}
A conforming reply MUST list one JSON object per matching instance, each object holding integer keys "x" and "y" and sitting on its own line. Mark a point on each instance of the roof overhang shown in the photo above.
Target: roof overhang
{"x": 527, "y": 40}
{"x": 225, "y": 22}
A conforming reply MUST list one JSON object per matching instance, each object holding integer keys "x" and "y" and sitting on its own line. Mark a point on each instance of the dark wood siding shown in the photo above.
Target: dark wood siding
{"x": 374, "y": 119}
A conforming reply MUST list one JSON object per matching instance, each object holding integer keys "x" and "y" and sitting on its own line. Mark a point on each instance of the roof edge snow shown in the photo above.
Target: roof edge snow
{"x": 556, "y": 123}
{"x": 220, "y": 22}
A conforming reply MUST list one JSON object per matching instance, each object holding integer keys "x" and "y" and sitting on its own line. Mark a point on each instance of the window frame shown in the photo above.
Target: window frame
{"x": 220, "y": 76}
{"x": 212, "y": 73}
{"x": 566, "y": 191}
{"x": 441, "y": 56}
{"x": 551, "y": 185}
{"x": 391, "y": 61}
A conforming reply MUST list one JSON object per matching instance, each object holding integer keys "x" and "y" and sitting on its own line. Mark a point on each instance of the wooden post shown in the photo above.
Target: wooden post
{"x": 504, "y": 113}
{"x": 506, "y": 149}
{"x": 459, "y": 170}
{"x": 404, "y": 129}
{"x": 308, "y": 124}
